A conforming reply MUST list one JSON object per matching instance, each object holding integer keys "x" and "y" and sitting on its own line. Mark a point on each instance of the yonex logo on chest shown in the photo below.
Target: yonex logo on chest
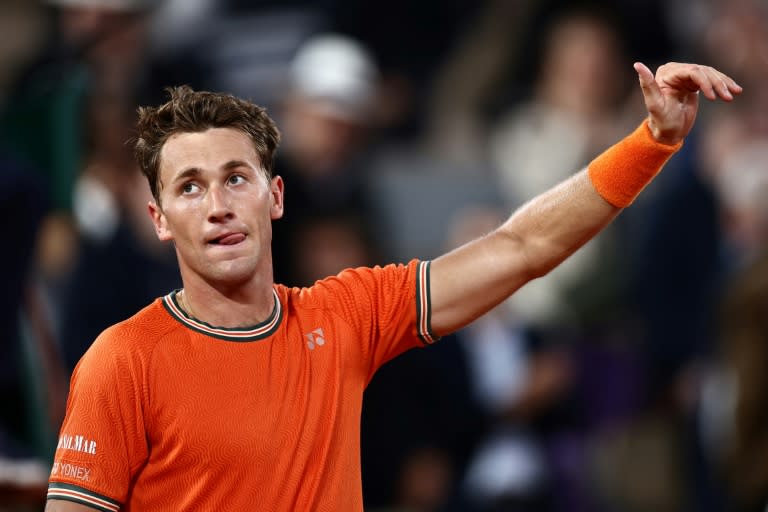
{"x": 315, "y": 338}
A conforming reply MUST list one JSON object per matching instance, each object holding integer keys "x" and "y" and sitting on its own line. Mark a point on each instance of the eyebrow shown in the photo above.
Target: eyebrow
{"x": 192, "y": 172}
{"x": 189, "y": 172}
{"x": 235, "y": 163}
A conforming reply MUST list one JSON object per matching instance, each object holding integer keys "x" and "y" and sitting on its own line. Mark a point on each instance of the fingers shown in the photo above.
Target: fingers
{"x": 718, "y": 84}
{"x": 726, "y": 87}
{"x": 710, "y": 83}
{"x": 704, "y": 81}
{"x": 651, "y": 91}
{"x": 694, "y": 77}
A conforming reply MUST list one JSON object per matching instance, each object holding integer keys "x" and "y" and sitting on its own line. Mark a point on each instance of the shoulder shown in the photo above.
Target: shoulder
{"x": 132, "y": 339}
{"x": 362, "y": 277}
{"x": 360, "y": 287}
{"x": 349, "y": 280}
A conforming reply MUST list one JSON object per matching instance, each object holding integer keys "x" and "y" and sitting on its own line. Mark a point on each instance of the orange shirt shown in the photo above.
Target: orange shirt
{"x": 168, "y": 413}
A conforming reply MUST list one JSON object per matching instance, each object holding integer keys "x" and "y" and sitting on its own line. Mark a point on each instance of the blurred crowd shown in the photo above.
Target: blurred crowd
{"x": 632, "y": 378}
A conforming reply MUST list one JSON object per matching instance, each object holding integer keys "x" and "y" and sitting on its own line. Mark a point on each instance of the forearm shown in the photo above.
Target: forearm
{"x": 535, "y": 239}
{"x": 552, "y": 226}
{"x": 539, "y": 236}
{"x": 560, "y": 221}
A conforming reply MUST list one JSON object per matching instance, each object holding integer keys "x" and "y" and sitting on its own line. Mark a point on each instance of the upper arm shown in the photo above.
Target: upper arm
{"x": 102, "y": 439}
{"x": 66, "y": 506}
{"x": 469, "y": 281}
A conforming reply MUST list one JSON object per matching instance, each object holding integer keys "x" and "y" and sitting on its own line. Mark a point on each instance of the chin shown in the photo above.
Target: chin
{"x": 232, "y": 272}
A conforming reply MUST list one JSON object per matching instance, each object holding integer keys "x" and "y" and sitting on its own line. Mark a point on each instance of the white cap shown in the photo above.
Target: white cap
{"x": 336, "y": 69}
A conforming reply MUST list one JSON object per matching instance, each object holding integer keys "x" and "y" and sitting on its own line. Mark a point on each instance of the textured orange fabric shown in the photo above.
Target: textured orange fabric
{"x": 169, "y": 413}
{"x": 621, "y": 172}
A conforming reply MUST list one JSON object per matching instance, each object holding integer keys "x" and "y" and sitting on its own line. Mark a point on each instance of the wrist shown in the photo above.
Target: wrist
{"x": 659, "y": 136}
{"x": 621, "y": 172}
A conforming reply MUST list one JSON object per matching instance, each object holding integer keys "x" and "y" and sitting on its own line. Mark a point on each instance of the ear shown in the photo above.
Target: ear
{"x": 276, "y": 187}
{"x": 159, "y": 221}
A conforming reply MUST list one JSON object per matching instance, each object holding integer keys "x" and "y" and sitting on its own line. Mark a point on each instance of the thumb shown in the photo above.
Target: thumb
{"x": 651, "y": 91}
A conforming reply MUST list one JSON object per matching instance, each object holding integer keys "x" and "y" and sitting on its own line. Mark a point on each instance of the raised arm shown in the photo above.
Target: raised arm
{"x": 469, "y": 281}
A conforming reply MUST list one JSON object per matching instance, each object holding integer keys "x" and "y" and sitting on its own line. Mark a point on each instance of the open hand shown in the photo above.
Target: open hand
{"x": 672, "y": 96}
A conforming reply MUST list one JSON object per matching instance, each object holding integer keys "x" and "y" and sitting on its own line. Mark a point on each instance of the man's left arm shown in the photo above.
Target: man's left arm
{"x": 471, "y": 280}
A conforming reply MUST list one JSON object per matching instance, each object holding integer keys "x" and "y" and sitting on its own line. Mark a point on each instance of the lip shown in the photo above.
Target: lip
{"x": 226, "y": 239}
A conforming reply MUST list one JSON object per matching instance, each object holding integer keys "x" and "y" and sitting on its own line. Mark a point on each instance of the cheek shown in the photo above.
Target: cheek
{"x": 256, "y": 204}
{"x": 181, "y": 221}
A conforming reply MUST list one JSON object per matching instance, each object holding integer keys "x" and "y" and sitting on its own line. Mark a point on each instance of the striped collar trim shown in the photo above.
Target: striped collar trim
{"x": 255, "y": 333}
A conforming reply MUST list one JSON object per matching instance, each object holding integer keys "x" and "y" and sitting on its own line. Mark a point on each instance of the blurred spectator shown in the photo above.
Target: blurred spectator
{"x": 577, "y": 104}
{"x": 24, "y": 412}
{"x": 417, "y": 429}
{"x": 409, "y": 41}
{"x": 744, "y": 335}
{"x": 95, "y": 48}
{"x": 517, "y": 382}
{"x": 498, "y": 56}
{"x": 70, "y": 116}
{"x": 331, "y": 244}
{"x": 240, "y": 47}
{"x": 24, "y": 25}
{"x": 31, "y": 377}
{"x": 457, "y": 108}
{"x": 475, "y": 436}
{"x": 326, "y": 125}
{"x": 672, "y": 244}
{"x": 110, "y": 204}
{"x": 706, "y": 224}
{"x": 732, "y": 160}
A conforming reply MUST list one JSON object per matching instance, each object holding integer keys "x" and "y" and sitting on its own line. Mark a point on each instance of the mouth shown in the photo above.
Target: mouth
{"x": 227, "y": 239}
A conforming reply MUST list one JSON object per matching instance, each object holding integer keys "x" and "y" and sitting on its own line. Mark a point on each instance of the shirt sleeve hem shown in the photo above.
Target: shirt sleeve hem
{"x": 83, "y": 496}
{"x": 424, "y": 304}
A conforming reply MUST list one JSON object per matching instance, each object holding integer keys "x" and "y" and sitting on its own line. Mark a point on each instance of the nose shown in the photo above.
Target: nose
{"x": 219, "y": 208}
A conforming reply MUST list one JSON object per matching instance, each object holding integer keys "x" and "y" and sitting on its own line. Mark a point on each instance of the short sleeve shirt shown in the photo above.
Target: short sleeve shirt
{"x": 166, "y": 412}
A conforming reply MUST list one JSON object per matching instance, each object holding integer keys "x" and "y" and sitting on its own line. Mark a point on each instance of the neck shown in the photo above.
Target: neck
{"x": 230, "y": 307}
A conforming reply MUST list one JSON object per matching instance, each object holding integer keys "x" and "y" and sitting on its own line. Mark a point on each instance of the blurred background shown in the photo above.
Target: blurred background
{"x": 632, "y": 378}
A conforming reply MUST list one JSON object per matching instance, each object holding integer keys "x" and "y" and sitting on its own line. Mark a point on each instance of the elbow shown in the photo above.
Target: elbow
{"x": 536, "y": 257}
{"x": 529, "y": 255}
{"x": 537, "y": 271}
{"x": 538, "y": 267}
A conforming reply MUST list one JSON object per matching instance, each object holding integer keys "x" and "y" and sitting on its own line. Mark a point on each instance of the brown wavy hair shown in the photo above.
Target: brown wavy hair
{"x": 189, "y": 111}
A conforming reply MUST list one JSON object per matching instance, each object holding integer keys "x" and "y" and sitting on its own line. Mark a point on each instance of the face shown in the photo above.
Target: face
{"x": 217, "y": 206}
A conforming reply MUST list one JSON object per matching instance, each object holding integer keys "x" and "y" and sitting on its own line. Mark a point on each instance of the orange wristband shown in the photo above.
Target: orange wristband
{"x": 621, "y": 172}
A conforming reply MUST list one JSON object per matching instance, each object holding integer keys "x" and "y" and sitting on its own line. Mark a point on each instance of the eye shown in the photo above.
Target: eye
{"x": 235, "y": 179}
{"x": 189, "y": 187}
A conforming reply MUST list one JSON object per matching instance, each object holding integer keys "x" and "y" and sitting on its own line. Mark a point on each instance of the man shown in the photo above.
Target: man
{"x": 236, "y": 393}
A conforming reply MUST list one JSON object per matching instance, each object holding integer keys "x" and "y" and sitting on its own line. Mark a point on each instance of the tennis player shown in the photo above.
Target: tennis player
{"x": 237, "y": 393}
